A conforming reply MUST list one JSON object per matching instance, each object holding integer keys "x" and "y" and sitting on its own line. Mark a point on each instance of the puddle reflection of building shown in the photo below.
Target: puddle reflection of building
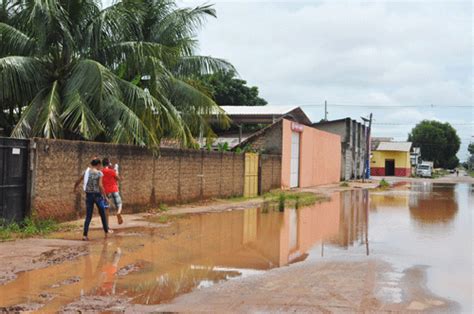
{"x": 353, "y": 220}
{"x": 433, "y": 204}
{"x": 206, "y": 249}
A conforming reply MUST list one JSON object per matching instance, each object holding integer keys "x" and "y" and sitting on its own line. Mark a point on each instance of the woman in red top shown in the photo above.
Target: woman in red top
{"x": 110, "y": 182}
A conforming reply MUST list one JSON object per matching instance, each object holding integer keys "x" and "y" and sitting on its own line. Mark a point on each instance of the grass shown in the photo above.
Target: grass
{"x": 290, "y": 198}
{"x": 383, "y": 185}
{"x": 438, "y": 173}
{"x": 344, "y": 184}
{"x": 28, "y": 228}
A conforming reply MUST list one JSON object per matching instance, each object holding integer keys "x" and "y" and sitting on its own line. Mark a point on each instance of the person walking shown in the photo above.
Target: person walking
{"x": 95, "y": 194}
{"x": 111, "y": 188}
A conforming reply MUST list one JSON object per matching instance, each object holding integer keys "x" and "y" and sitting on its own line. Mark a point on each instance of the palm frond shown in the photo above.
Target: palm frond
{"x": 78, "y": 118}
{"x": 29, "y": 117}
{"x": 201, "y": 65}
{"x": 20, "y": 78}
{"x": 15, "y": 42}
{"x": 49, "y": 123}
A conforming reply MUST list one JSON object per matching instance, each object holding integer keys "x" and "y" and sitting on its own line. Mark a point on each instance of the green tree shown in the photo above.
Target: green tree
{"x": 228, "y": 90}
{"x": 438, "y": 142}
{"x": 72, "y": 69}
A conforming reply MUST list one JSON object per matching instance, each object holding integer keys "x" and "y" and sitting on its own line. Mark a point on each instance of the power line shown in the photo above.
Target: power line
{"x": 386, "y": 106}
{"x": 388, "y": 123}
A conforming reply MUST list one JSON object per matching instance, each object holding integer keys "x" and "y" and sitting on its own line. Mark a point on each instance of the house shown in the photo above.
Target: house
{"x": 391, "y": 159}
{"x": 246, "y": 120}
{"x": 353, "y": 136}
{"x": 309, "y": 156}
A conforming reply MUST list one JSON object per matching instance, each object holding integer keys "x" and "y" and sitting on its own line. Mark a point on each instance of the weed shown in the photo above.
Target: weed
{"x": 383, "y": 184}
{"x": 28, "y": 228}
{"x": 344, "y": 184}
{"x": 163, "y": 207}
{"x": 281, "y": 202}
{"x": 163, "y": 219}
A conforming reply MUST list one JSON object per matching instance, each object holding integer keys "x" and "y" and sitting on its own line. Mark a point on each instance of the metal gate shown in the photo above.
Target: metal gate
{"x": 13, "y": 178}
{"x": 251, "y": 175}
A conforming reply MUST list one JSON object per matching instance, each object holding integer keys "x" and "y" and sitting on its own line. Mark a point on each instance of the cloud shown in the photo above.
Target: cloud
{"x": 385, "y": 52}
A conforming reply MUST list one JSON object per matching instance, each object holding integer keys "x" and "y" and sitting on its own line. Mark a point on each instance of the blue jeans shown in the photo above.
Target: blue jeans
{"x": 98, "y": 199}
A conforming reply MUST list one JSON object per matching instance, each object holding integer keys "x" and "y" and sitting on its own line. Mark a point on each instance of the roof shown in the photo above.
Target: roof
{"x": 394, "y": 146}
{"x": 265, "y": 114}
{"x": 258, "y": 110}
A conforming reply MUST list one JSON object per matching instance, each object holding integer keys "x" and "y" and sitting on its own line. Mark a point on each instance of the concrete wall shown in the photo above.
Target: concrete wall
{"x": 353, "y": 145}
{"x": 402, "y": 163}
{"x": 172, "y": 177}
{"x": 320, "y": 155}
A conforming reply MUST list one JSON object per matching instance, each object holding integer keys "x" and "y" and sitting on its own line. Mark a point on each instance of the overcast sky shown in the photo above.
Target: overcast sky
{"x": 402, "y": 53}
{"x": 383, "y": 53}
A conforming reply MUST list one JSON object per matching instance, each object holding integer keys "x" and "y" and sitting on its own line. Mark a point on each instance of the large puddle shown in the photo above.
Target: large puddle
{"x": 427, "y": 225}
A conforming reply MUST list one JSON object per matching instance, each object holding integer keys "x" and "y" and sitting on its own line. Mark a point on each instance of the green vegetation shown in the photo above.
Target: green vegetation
{"x": 28, "y": 228}
{"x": 163, "y": 207}
{"x": 438, "y": 173}
{"x": 383, "y": 185}
{"x": 469, "y": 164}
{"x": 344, "y": 184}
{"x": 228, "y": 90}
{"x": 292, "y": 199}
{"x": 438, "y": 142}
{"x": 123, "y": 74}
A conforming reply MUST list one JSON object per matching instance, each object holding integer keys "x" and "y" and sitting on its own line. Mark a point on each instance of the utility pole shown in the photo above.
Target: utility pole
{"x": 325, "y": 110}
{"x": 367, "y": 148}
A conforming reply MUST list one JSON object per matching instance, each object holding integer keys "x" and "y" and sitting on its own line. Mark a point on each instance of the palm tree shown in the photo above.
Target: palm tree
{"x": 71, "y": 69}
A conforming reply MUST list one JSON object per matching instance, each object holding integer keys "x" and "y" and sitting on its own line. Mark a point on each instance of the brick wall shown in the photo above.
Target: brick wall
{"x": 270, "y": 176}
{"x": 267, "y": 140}
{"x": 173, "y": 176}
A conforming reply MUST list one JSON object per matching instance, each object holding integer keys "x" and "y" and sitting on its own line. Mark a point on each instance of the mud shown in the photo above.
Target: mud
{"x": 97, "y": 304}
{"x": 360, "y": 251}
{"x": 24, "y": 255}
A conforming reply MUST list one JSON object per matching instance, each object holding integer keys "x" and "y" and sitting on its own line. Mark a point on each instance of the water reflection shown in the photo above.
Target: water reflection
{"x": 156, "y": 265}
{"x": 433, "y": 204}
{"x": 353, "y": 219}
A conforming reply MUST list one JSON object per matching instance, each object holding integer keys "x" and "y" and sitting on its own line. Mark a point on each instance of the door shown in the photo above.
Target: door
{"x": 251, "y": 175}
{"x": 13, "y": 178}
{"x": 389, "y": 167}
{"x": 295, "y": 160}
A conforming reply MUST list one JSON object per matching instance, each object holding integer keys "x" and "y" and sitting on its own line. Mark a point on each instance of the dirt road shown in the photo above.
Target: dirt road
{"x": 229, "y": 256}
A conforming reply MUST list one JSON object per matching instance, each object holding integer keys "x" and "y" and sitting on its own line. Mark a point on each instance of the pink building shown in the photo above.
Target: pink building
{"x": 309, "y": 156}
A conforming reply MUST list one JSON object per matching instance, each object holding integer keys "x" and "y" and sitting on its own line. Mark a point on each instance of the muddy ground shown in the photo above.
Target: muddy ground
{"x": 328, "y": 286}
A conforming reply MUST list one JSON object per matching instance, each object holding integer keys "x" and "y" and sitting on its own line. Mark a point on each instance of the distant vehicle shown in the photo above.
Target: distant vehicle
{"x": 425, "y": 169}
{"x": 452, "y": 171}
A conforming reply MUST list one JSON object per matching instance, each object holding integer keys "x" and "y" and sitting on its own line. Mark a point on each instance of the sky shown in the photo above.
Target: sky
{"x": 404, "y": 61}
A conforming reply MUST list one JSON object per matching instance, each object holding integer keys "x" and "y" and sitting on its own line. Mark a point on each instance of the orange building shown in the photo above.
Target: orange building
{"x": 309, "y": 156}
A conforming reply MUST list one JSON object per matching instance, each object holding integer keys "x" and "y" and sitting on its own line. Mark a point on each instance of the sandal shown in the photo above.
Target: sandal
{"x": 119, "y": 219}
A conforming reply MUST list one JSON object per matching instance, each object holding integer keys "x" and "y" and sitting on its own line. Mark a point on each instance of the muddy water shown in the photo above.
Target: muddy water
{"x": 427, "y": 226}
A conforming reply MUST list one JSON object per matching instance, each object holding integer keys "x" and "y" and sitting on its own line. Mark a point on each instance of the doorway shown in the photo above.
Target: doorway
{"x": 389, "y": 167}
{"x": 295, "y": 160}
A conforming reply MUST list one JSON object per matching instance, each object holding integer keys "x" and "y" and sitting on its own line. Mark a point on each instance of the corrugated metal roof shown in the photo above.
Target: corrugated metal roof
{"x": 256, "y": 110}
{"x": 395, "y": 146}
